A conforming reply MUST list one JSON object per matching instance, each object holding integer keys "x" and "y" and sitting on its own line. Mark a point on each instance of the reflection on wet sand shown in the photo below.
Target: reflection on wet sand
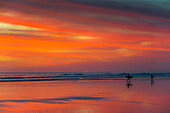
{"x": 129, "y": 84}
{"x": 85, "y": 96}
{"x": 152, "y": 82}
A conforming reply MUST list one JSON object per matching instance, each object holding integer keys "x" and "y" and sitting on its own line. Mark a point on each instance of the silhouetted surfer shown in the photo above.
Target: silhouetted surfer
{"x": 128, "y": 80}
{"x": 152, "y": 80}
{"x": 128, "y": 77}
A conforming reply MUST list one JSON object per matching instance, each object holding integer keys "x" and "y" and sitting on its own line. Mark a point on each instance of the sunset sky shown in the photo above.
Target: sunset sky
{"x": 85, "y": 35}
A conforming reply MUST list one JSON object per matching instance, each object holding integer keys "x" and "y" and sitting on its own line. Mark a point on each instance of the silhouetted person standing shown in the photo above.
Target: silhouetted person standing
{"x": 128, "y": 77}
{"x": 152, "y": 80}
{"x": 152, "y": 76}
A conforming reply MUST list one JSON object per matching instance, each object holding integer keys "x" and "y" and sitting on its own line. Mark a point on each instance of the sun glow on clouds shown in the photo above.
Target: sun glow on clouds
{"x": 6, "y": 58}
{"x": 35, "y": 34}
{"x": 146, "y": 43}
{"x": 84, "y": 37}
{"x": 15, "y": 27}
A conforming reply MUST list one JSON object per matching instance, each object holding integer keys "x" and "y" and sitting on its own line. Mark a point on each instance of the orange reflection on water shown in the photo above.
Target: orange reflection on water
{"x": 85, "y": 97}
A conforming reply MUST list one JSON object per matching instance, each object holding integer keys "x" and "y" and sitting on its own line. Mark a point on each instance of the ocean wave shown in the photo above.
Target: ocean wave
{"x": 51, "y": 76}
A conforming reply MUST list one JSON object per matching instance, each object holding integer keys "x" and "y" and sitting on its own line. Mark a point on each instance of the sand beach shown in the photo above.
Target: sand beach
{"x": 141, "y": 95}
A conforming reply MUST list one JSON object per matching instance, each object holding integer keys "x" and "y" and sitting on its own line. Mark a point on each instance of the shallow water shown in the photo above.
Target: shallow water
{"x": 86, "y": 96}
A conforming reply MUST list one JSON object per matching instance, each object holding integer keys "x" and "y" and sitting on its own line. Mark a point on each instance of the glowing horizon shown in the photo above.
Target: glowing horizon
{"x": 84, "y": 35}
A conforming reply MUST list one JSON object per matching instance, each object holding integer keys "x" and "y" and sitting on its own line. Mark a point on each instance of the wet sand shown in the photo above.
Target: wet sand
{"x": 86, "y": 96}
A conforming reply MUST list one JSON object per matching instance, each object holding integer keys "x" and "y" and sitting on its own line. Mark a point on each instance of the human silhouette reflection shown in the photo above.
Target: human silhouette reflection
{"x": 152, "y": 82}
{"x": 129, "y": 84}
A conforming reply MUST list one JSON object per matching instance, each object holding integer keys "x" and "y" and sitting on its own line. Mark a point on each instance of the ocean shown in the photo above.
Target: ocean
{"x": 51, "y": 76}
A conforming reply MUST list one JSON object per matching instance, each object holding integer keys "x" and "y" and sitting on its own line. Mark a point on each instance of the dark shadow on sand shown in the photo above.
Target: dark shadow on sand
{"x": 55, "y": 100}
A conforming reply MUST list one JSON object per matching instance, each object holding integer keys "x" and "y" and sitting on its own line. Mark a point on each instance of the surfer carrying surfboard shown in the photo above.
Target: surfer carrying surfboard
{"x": 128, "y": 77}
